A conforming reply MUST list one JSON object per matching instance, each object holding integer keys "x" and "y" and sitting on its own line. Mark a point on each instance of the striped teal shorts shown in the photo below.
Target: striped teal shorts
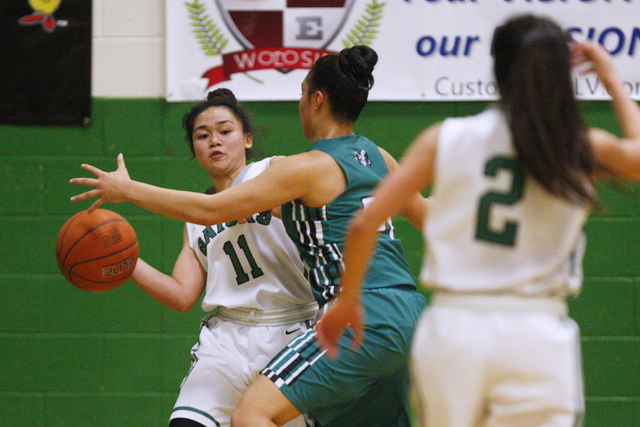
{"x": 365, "y": 387}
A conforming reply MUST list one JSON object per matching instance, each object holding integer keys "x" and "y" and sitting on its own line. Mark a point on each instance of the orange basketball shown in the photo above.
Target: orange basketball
{"x": 97, "y": 252}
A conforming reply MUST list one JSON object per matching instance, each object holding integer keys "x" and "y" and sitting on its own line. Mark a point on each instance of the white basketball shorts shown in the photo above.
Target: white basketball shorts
{"x": 226, "y": 359}
{"x": 514, "y": 368}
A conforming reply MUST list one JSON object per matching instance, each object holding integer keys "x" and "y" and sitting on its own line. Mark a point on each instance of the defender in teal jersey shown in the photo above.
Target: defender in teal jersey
{"x": 319, "y": 191}
{"x": 328, "y": 389}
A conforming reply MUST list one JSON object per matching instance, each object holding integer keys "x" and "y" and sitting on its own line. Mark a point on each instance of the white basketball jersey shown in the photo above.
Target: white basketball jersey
{"x": 252, "y": 265}
{"x": 490, "y": 227}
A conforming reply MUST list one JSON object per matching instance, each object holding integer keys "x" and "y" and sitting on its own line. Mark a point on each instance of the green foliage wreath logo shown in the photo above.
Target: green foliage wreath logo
{"x": 366, "y": 28}
{"x": 209, "y": 36}
{"x": 213, "y": 42}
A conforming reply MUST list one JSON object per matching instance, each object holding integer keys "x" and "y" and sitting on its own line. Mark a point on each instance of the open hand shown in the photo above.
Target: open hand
{"x": 109, "y": 186}
{"x": 339, "y": 316}
{"x": 592, "y": 57}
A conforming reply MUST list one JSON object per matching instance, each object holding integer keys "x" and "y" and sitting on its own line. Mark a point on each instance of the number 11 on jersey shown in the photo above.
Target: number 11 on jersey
{"x": 241, "y": 275}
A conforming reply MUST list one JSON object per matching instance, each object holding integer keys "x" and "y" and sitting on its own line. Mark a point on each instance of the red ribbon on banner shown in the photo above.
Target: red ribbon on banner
{"x": 278, "y": 58}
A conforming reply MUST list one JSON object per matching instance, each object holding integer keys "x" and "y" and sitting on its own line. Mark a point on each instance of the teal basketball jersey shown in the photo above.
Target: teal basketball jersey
{"x": 319, "y": 233}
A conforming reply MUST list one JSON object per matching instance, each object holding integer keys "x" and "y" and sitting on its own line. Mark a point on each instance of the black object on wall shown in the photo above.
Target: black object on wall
{"x": 45, "y": 62}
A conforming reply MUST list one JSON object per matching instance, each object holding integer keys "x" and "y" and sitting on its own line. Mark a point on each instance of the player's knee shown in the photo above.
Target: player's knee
{"x": 184, "y": 422}
{"x": 240, "y": 417}
{"x": 245, "y": 415}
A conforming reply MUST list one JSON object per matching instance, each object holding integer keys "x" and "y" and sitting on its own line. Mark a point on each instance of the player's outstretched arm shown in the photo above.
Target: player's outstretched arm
{"x": 287, "y": 180}
{"x": 117, "y": 187}
{"x": 621, "y": 156}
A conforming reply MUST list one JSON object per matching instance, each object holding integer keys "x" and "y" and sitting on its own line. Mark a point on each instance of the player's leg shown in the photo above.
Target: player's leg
{"x": 262, "y": 405}
{"x": 302, "y": 376}
{"x": 327, "y": 389}
{"x": 265, "y": 348}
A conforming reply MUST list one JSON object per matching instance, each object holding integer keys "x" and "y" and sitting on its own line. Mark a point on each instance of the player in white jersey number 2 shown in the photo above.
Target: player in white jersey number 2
{"x": 512, "y": 188}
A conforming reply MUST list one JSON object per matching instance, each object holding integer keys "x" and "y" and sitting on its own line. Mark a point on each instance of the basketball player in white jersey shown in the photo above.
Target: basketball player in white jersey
{"x": 249, "y": 270}
{"x": 512, "y": 188}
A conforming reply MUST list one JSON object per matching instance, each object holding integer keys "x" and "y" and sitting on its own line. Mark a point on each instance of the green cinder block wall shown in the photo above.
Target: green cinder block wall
{"x": 71, "y": 358}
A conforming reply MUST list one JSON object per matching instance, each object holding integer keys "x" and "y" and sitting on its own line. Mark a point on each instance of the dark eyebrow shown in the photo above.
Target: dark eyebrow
{"x": 221, "y": 122}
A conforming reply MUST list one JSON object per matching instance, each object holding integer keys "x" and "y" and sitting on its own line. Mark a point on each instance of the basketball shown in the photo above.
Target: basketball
{"x": 97, "y": 251}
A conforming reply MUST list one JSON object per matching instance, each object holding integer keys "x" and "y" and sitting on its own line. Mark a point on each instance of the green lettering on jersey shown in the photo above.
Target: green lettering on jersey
{"x": 202, "y": 246}
{"x": 207, "y": 235}
{"x": 264, "y": 218}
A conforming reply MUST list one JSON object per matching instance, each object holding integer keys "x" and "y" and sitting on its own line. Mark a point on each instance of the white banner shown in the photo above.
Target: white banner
{"x": 429, "y": 50}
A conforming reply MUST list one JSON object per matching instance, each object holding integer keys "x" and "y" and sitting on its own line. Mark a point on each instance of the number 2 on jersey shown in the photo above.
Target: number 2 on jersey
{"x": 507, "y": 235}
{"x": 241, "y": 275}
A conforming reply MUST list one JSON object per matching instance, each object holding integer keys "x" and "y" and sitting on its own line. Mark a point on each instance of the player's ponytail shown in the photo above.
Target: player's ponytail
{"x": 533, "y": 72}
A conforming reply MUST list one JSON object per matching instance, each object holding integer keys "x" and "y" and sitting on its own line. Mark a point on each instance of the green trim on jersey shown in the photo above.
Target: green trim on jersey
{"x": 319, "y": 233}
{"x": 197, "y": 411}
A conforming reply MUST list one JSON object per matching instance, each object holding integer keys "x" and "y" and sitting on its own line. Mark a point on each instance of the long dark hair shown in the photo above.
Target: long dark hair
{"x": 218, "y": 98}
{"x": 532, "y": 68}
{"x": 346, "y": 78}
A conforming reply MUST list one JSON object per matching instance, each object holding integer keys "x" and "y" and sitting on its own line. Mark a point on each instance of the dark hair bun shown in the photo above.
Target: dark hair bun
{"x": 223, "y": 96}
{"x": 357, "y": 63}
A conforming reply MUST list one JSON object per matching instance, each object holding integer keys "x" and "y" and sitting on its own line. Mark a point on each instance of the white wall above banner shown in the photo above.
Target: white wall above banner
{"x": 429, "y": 50}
